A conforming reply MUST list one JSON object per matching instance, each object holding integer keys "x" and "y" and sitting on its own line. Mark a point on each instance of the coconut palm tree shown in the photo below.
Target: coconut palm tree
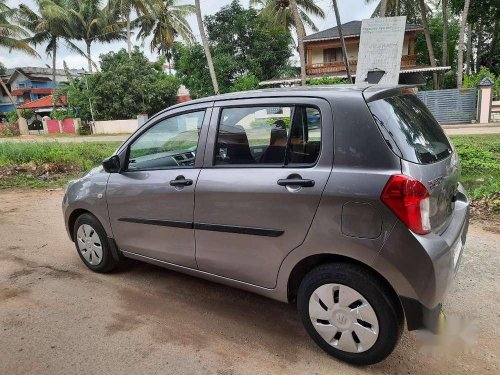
{"x": 280, "y": 13}
{"x": 89, "y": 21}
{"x": 423, "y": 12}
{"x": 12, "y": 37}
{"x": 166, "y": 20}
{"x": 300, "y": 40}
{"x": 206, "y": 47}
{"x": 126, "y": 7}
{"x": 46, "y": 28}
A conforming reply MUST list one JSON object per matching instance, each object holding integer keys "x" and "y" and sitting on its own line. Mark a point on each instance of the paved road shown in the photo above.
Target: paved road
{"x": 57, "y": 317}
{"x": 449, "y": 129}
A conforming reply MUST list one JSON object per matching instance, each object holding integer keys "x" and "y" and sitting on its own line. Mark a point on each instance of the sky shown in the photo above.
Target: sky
{"x": 349, "y": 10}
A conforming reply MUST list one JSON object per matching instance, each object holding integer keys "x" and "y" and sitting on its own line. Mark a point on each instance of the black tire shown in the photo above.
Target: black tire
{"x": 108, "y": 262}
{"x": 380, "y": 297}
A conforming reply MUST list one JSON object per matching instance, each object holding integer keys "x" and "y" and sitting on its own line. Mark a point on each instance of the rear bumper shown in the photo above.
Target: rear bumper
{"x": 421, "y": 268}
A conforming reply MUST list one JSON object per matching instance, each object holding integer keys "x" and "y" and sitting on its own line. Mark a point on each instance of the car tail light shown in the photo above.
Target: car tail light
{"x": 409, "y": 200}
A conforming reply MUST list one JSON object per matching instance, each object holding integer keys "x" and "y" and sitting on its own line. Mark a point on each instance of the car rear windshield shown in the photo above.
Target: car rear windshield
{"x": 410, "y": 129}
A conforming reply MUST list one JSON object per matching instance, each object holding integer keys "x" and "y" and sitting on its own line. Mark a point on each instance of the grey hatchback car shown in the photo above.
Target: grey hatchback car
{"x": 344, "y": 200}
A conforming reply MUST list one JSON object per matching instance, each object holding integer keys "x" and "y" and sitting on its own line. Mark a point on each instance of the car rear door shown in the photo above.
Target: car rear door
{"x": 151, "y": 202}
{"x": 266, "y": 164}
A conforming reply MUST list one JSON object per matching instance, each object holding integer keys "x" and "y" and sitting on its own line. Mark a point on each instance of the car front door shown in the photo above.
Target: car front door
{"x": 151, "y": 202}
{"x": 266, "y": 164}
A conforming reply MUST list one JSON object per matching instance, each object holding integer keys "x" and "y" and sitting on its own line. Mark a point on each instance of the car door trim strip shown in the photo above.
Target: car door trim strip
{"x": 205, "y": 226}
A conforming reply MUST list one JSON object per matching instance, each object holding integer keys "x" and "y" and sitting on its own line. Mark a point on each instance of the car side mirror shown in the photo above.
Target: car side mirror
{"x": 112, "y": 164}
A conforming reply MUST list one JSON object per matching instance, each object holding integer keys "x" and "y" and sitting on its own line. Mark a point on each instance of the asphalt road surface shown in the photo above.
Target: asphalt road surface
{"x": 57, "y": 317}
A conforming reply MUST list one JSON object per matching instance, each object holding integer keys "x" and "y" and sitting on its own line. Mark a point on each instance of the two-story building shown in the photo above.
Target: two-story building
{"x": 29, "y": 84}
{"x": 324, "y": 57}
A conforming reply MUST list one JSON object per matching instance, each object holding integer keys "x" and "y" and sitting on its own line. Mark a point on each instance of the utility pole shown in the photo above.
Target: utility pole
{"x": 342, "y": 41}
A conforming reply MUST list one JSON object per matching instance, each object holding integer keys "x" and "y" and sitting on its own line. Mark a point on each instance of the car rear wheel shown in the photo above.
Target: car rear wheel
{"x": 350, "y": 313}
{"x": 92, "y": 245}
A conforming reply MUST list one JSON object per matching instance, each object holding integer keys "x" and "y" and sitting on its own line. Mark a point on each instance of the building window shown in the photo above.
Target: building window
{"x": 332, "y": 54}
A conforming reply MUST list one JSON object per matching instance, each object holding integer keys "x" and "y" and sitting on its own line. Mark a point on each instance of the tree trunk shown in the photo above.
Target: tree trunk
{"x": 383, "y": 8}
{"x": 468, "y": 56}
{"x": 428, "y": 40}
{"x": 460, "y": 63}
{"x": 479, "y": 46}
{"x": 129, "y": 36}
{"x": 54, "y": 68}
{"x": 206, "y": 47}
{"x": 300, "y": 40}
{"x": 342, "y": 40}
{"x": 89, "y": 57}
{"x": 444, "y": 60}
{"x": 4, "y": 86}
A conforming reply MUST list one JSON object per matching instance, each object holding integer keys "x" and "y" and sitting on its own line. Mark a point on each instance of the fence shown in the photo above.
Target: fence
{"x": 456, "y": 106}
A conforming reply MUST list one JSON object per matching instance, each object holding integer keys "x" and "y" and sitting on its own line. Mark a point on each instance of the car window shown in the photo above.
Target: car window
{"x": 410, "y": 129}
{"x": 305, "y": 138}
{"x": 171, "y": 143}
{"x": 268, "y": 135}
{"x": 253, "y": 135}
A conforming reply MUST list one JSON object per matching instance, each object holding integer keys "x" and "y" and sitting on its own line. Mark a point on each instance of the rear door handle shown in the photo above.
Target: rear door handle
{"x": 296, "y": 182}
{"x": 181, "y": 181}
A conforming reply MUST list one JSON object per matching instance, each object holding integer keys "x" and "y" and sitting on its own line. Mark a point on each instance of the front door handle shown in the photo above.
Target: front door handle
{"x": 181, "y": 181}
{"x": 296, "y": 182}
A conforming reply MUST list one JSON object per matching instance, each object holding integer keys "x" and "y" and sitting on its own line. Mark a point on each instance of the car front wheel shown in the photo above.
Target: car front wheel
{"x": 350, "y": 313}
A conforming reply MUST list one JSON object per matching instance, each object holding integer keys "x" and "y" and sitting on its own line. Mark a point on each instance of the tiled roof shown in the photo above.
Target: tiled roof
{"x": 352, "y": 28}
{"x": 45, "y": 102}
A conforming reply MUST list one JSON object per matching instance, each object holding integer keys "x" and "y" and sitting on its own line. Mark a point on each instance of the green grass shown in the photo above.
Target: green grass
{"x": 480, "y": 161}
{"x": 84, "y": 155}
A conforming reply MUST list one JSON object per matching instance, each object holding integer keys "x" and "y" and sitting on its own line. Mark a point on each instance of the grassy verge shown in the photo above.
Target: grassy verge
{"x": 22, "y": 164}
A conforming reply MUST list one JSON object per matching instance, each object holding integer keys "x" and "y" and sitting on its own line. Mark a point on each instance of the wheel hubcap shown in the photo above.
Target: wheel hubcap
{"x": 343, "y": 318}
{"x": 89, "y": 244}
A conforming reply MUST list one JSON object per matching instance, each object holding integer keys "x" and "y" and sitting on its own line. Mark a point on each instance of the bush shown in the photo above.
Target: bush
{"x": 62, "y": 114}
{"x": 27, "y": 113}
{"x": 12, "y": 116}
{"x": 245, "y": 83}
{"x": 327, "y": 81}
{"x": 472, "y": 80}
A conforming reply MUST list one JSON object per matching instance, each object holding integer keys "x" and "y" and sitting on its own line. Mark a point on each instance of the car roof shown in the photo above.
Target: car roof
{"x": 314, "y": 91}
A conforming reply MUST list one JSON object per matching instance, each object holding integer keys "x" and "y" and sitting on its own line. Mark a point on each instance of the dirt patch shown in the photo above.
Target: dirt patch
{"x": 7, "y": 292}
{"x": 44, "y": 172}
{"x": 31, "y": 267}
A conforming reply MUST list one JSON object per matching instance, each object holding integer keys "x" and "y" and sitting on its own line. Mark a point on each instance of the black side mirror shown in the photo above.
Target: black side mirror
{"x": 112, "y": 164}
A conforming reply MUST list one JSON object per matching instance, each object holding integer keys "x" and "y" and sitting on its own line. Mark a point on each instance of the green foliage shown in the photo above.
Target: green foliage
{"x": 124, "y": 88}
{"x": 473, "y": 80}
{"x": 327, "y": 81}
{"x": 436, "y": 31}
{"x": 62, "y": 114}
{"x": 245, "y": 83}
{"x": 27, "y": 113}
{"x": 480, "y": 161}
{"x": 2, "y": 69}
{"x": 12, "y": 116}
{"x": 242, "y": 45}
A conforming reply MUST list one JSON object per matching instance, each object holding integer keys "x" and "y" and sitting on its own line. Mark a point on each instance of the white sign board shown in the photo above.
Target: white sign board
{"x": 380, "y": 48}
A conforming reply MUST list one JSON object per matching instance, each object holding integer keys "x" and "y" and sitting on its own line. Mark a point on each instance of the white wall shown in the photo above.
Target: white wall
{"x": 115, "y": 126}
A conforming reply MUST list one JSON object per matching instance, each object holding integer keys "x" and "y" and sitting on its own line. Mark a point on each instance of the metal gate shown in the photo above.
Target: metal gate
{"x": 456, "y": 106}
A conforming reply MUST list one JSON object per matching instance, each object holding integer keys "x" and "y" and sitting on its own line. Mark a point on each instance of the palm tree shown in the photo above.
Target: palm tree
{"x": 165, "y": 20}
{"x": 89, "y": 22}
{"x": 46, "y": 29}
{"x": 206, "y": 47}
{"x": 11, "y": 37}
{"x": 408, "y": 8}
{"x": 300, "y": 40}
{"x": 383, "y": 8}
{"x": 126, "y": 7}
{"x": 281, "y": 15}
{"x": 460, "y": 59}
{"x": 342, "y": 40}
{"x": 428, "y": 40}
